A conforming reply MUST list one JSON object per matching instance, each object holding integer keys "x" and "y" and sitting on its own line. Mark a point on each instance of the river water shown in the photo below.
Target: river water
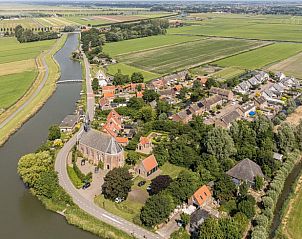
{"x": 22, "y": 216}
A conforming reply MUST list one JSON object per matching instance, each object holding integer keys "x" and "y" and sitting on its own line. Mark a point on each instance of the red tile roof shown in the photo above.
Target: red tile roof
{"x": 144, "y": 140}
{"x": 201, "y": 195}
{"x": 121, "y": 140}
{"x": 108, "y": 88}
{"x": 139, "y": 94}
{"x": 109, "y": 95}
{"x": 150, "y": 163}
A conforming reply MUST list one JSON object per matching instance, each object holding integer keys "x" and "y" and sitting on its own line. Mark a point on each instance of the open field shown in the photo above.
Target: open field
{"x": 13, "y": 87}
{"x": 128, "y": 70}
{"x": 177, "y": 57}
{"x": 39, "y": 100}
{"x": 291, "y": 66}
{"x": 283, "y": 28}
{"x": 11, "y": 50}
{"x": 228, "y": 73}
{"x": 26, "y": 23}
{"x": 262, "y": 57}
{"x": 142, "y": 44}
{"x": 17, "y": 67}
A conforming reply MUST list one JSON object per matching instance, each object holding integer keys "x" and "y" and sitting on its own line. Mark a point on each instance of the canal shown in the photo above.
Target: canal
{"x": 21, "y": 214}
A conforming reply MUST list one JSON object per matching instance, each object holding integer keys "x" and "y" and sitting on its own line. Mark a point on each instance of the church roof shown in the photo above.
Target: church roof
{"x": 101, "y": 141}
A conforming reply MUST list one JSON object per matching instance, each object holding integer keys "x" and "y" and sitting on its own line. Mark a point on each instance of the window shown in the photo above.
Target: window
{"x": 108, "y": 166}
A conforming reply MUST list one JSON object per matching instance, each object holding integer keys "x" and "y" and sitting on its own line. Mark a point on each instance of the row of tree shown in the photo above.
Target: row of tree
{"x": 27, "y": 35}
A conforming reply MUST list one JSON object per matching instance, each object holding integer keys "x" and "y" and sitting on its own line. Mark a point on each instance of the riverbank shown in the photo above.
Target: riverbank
{"x": 34, "y": 99}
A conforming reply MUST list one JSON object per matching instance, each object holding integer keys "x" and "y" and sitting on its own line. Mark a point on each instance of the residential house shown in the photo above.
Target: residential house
{"x": 260, "y": 102}
{"x": 98, "y": 146}
{"x": 113, "y": 124}
{"x": 277, "y": 89}
{"x": 123, "y": 141}
{"x": 243, "y": 88}
{"x": 147, "y": 167}
{"x": 69, "y": 122}
{"x": 211, "y": 102}
{"x": 183, "y": 116}
{"x": 201, "y": 197}
{"x": 245, "y": 171}
{"x": 197, "y": 108}
{"x": 245, "y": 109}
{"x": 108, "y": 89}
{"x": 278, "y": 156}
{"x": 262, "y": 76}
{"x": 157, "y": 84}
{"x": 290, "y": 82}
{"x": 254, "y": 81}
{"x": 202, "y": 79}
{"x": 196, "y": 219}
{"x": 280, "y": 76}
{"x": 104, "y": 104}
{"x": 145, "y": 145}
{"x": 224, "y": 93}
{"x": 226, "y": 120}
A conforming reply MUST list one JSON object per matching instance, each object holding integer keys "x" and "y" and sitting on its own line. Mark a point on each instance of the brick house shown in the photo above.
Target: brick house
{"x": 97, "y": 146}
{"x": 145, "y": 145}
{"x": 212, "y": 102}
{"x": 201, "y": 197}
{"x": 147, "y": 167}
{"x": 225, "y": 94}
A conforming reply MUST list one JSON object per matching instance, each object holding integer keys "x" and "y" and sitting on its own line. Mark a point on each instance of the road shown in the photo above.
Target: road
{"x": 90, "y": 94}
{"x": 88, "y": 205}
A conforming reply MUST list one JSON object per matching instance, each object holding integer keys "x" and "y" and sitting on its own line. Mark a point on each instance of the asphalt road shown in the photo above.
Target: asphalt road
{"x": 88, "y": 205}
{"x": 90, "y": 94}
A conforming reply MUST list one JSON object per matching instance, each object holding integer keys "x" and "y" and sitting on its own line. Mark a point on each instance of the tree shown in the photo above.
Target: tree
{"x": 180, "y": 234}
{"x": 150, "y": 95}
{"x": 136, "y": 103}
{"x": 54, "y": 132}
{"x": 161, "y": 153}
{"x": 247, "y": 207}
{"x": 132, "y": 157}
{"x": 147, "y": 114}
{"x": 220, "y": 144}
{"x": 298, "y": 134}
{"x": 185, "y": 218}
{"x": 160, "y": 183}
{"x": 210, "y": 229}
{"x": 162, "y": 107}
{"x": 31, "y": 166}
{"x": 156, "y": 209}
{"x": 258, "y": 183}
{"x": 243, "y": 189}
{"x": 286, "y": 138}
{"x": 117, "y": 183}
{"x": 224, "y": 188}
{"x": 95, "y": 84}
{"x": 211, "y": 83}
{"x": 137, "y": 77}
{"x": 229, "y": 228}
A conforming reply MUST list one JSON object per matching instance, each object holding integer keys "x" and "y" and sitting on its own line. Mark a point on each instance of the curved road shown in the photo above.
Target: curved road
{"x": 84, "y": 203}
{"x": 88, "y": 205}
{"x": 37, "y": 91}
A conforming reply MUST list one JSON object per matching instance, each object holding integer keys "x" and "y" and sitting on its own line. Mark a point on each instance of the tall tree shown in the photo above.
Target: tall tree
{"x": 286, "y": 138}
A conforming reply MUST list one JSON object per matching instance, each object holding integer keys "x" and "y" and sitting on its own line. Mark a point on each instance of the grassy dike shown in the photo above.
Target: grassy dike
{"x": 48, "y": 89}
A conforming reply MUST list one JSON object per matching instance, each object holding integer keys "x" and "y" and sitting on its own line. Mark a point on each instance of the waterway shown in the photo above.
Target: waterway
{"x": 21, "y": 214}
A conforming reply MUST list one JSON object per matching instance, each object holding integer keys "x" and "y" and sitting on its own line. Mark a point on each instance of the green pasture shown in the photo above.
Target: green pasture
{"x": 142, "y": 44}
{"x": 128, "y": 70}
{"x": 11, "y": 50}
{"x": 186, "y": 55}
{"x": 228, "y": 73}
{"x": 262, "y": 56}
{"x": 13, "y": 87}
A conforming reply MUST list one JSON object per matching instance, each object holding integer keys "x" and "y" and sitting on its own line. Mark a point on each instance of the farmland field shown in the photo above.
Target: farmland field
{"x": 247, "y": 27}
{"x": 12, "y": 87}
{"x": 177, "y": 57}
{"x": 229, "y": 72}
{"x": 128, "y": 70}
{"x": 11, "y": 50}
{"x": 291, "y": 66}
{"x": 142, "y": 44}
{"x": 262, "y": 56}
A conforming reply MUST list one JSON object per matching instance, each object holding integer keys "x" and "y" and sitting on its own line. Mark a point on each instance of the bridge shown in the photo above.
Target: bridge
{"x": 68, "y": 81}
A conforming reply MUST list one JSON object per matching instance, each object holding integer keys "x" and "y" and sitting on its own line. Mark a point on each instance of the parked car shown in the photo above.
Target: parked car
{"x": 141, "y": 183}
{"x": 86, "y": 185}
{"x": 149, "y": 188}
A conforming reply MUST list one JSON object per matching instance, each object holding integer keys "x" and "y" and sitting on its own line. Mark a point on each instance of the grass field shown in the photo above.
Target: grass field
{"x": 177, "y": 57}
{"x": 262, "y": 57}
{"x": 228, "y": 73}
{"x": 246, "y": 26}
{"x": 12, "y": 87}
{"x": 128, "y": 70}
{"x": 291, "y": 66}
{"x": 142, "y": 44}
{"x": 11, "y": 50}
{"x": 17, "y": 67}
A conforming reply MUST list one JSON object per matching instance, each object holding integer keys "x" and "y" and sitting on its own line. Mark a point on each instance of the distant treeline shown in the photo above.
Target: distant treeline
{"x": 26, "y": 35}
{"x": 144, "y": 28}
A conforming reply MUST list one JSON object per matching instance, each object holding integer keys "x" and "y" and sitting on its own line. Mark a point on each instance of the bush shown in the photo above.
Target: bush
{"x": 261, "y": 220}
{"x": 74, "y": 177}
{"x": 268, "y": 202}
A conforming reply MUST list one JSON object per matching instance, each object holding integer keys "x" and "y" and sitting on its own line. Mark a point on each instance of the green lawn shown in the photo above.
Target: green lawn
{"x": 14, "y": 86}
{"x": 127, "y": 209}
{"x": 171, "y": 170}
{"x": 11, "y": 50}
{"x": 178, "y": 57}
{"x": 142, "y": 44}
{"x": 262, "y": 57}
{"x": 128, "y": 70}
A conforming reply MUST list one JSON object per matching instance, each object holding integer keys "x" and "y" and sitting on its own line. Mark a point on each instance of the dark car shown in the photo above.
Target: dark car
{"x": 141, "y": 183}
{"x": 86, "y": 185}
